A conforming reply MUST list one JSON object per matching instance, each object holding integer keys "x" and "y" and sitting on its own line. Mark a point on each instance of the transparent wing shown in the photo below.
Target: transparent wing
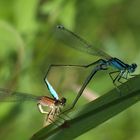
{"x": 75, "y": 41}
{"x": 51, "y": 89}
{"x": 11, "y": 96}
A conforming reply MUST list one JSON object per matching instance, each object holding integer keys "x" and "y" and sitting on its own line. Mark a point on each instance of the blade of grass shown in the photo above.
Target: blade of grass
{"x": 94, "y": 113}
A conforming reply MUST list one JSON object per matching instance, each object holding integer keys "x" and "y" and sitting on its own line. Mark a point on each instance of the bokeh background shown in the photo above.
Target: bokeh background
{"x": 27, "y": 47}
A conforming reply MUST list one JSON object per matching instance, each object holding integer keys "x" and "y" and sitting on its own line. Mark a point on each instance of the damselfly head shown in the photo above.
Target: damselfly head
{"x": 63, "y": 101}
{"x": 60, "y": 26}
{"x": 132, "y": 67}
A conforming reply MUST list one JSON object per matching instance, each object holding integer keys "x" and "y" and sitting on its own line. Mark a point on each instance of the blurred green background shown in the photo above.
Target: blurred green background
{"x": 27, "y": 47}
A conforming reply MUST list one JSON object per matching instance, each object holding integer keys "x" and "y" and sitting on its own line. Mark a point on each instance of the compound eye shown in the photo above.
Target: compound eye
{"x": 134, "y": 65}
{"x": 63, "y": 100}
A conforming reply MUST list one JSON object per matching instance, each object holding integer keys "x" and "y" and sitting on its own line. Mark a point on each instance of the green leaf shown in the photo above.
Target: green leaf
{"x": 94, "y": 113}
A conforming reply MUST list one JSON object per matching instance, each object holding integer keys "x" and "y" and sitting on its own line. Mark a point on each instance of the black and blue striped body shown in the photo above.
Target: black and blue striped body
{"x": 118, "y": 64}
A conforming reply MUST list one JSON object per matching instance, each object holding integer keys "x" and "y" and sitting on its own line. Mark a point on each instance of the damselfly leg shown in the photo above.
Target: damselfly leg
{"x": 54, "y": 117}
{"x": 114, "y": 79}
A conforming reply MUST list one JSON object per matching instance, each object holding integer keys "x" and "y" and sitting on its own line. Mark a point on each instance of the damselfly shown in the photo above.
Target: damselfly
{"x": 55, "y": 104}
{"x": 75, "y": 41}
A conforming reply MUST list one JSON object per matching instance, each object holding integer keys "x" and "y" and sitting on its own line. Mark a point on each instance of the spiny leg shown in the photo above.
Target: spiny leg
{"x": 58, "y": 112}
{"x": 114, "y": 79}
{"x": 126, "y": 78}
{"x": 51, "y": 117}
{"x": 60, "y": 119}
{"x": 50, "y": 121}
{"x": 62, "y": 116}
{"x": 121, "y": 77}
{"x": 41, "y": 109}
{"x": 111, "y": 73}
{"x": 49, "y": 113}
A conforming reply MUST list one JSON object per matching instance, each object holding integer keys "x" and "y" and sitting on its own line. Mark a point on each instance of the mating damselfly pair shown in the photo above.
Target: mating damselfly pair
{"x": 55, "y": 104}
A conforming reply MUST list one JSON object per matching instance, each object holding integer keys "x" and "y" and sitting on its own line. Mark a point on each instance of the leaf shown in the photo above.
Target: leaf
{"x": 94, "y": 113}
